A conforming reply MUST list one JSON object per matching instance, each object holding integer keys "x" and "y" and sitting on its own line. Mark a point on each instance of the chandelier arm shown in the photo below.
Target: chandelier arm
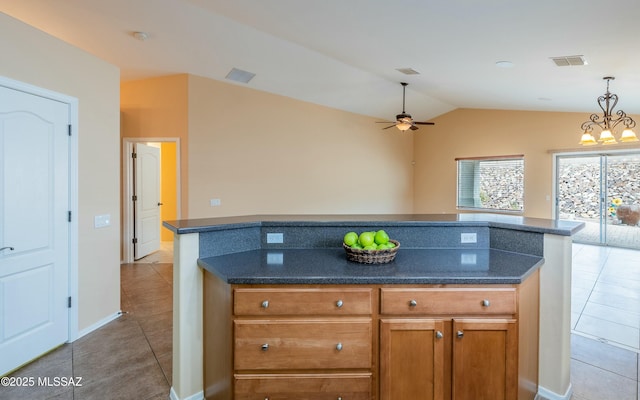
{"x": 623, "y": 119}
{"x": 587, "y": 126}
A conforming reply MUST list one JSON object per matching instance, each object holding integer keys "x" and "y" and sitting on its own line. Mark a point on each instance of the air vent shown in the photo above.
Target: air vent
{"x": 239, "y": 75}
{"x": 566, "y": 61}
{"x": 408, "y": 71}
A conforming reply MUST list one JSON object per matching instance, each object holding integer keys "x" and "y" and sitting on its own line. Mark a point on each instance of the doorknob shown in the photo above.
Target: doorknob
{"x": 159, "y": 204}
{"x": 7, "y": 247}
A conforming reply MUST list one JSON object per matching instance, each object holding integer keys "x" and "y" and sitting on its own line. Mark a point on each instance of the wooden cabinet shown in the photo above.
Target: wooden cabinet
{"x": 303, "y": 343}
{"x": 441, "y": 343}
{"x": 412, "y": 359}
{"x": 485, "y": 359}
{"x": 356, "y": 342}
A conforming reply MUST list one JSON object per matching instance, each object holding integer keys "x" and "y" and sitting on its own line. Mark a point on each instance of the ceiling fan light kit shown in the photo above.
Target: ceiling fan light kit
{"x": 607, "y": 103}
{"x": 404, "y": 122}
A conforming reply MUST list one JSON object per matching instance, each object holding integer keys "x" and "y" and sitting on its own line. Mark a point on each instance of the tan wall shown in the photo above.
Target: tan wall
{"x": 474, "y": 132}
{"x": 33, "y": 57}
{"x": 169, "y": 192}
{"x": 158, "y": 108}
{"x": 261, "y": 153}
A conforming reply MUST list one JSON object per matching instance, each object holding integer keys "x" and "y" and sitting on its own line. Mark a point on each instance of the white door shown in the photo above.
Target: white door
{"x": 34, "y": 227}
{"x": 147, "y": 203}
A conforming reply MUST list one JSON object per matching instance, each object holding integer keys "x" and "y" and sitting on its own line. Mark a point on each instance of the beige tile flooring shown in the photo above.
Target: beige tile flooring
{"x": 130, "y": 358}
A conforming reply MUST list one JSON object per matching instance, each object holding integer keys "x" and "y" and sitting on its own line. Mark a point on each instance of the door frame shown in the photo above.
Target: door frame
{"x": 598, "y": 152}
{"x": 72, "y": 103}
{"x": 127, "y": 189}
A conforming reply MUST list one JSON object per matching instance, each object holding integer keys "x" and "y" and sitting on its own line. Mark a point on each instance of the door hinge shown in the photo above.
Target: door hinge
{"x": 135, "y": 240}
{"x": 69, "y": 129}
{"x": 69, "y": 216}
{"x": 134, "y": 155}
{"x": 134, "y": 198}
{"x": 69, "y": 302}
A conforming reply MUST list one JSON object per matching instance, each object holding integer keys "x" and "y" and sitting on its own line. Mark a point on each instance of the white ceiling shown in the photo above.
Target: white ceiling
{"x": 344, "y": 53}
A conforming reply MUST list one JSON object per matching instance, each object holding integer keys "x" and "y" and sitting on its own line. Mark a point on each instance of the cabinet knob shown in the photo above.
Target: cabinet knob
{"x": 339, "y": 303}
{"x": 439, "y": 335}
{"x": 265, "y": 347}
{"x": 339, "y": 347}
{"x": 265, "y": 304}
{"x": 413, "y": 303}
{"x": 460, "y": 334}
{"x": 485, "y": 303}
{"x": 339, "y": 398}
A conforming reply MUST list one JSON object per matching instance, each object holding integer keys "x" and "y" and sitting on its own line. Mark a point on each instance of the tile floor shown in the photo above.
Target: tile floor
{"x": 130, "y": 358}
{"x": 605, "y": 318}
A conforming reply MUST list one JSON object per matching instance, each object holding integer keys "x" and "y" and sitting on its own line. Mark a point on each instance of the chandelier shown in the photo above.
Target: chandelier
{"x": 607, "y": 103}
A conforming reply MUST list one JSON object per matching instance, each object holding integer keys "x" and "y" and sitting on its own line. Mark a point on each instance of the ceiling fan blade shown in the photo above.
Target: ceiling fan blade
{"x": 414, "y": 128}
{"x": 424, "y": 123}
{"x": 390, "y": 126}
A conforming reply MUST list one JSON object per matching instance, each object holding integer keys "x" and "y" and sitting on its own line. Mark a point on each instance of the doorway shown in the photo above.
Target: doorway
{"x": 603, "y": 191}
{"x": 169, "y": 150}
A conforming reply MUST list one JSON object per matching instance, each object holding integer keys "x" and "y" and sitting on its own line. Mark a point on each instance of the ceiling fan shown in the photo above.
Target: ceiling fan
{"x": 404, "y": 120}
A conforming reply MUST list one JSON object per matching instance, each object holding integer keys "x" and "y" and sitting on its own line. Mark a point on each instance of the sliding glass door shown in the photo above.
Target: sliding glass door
{"x": 603, "y": 191}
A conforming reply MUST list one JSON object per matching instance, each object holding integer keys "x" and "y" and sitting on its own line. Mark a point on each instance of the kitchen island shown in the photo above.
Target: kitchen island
{"x": 439, "y": 253}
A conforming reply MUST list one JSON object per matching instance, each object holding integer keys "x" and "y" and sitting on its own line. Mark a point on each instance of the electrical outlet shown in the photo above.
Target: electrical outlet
{"x": 214, "y": 202}
{"x": 468, "y": 238}
{"x": 275, "y": 258}
{"x": 468, "y": 259}
{"x": 275, "y": 238}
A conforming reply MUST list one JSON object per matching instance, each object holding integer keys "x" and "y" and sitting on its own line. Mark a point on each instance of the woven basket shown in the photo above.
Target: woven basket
{"x": 372, "y": 256}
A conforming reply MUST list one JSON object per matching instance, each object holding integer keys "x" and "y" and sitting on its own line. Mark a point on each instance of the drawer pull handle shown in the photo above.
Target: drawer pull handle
{"x": 339, "y": 303}
{"x": 439, "y": 335}
{"x": 265, "y": 304}
{"x": 485, "y": 303}
{"x": 339, "y": 347}
{"x": 413, "y": 303}
{"x": 265, "y": 347}
{"x": 460, "y": 334}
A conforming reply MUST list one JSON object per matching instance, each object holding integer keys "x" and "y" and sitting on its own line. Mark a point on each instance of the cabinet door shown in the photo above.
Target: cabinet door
{"x": 411, "y": 359}
{"x": 485, "y": 359}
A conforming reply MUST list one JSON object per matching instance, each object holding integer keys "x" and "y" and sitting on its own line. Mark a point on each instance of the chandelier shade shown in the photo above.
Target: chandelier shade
{"x": 607, "y": 122}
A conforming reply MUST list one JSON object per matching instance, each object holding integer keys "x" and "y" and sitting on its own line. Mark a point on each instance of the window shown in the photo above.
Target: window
{"x": 491, "y": 183}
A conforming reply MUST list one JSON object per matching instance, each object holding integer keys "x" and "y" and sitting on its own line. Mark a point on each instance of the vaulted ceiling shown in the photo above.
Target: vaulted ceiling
{"x": 346, "y": 54}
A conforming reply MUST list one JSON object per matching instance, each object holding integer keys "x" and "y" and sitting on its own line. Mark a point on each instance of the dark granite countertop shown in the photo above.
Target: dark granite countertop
{"x": 411, "y": 266}
{"x": 538, "y": 225}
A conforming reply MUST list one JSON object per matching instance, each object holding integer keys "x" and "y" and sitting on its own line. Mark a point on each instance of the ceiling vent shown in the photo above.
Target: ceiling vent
{"x": 566, "y": 61}
{"x": 408, "y": 71}
{"x": 239, "y": 75}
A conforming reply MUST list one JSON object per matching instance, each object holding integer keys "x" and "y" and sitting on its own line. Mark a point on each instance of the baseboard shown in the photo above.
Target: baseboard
{"x": 97, "y": 325}
{"x": 197, "y": 396}
{"x": 545, "y": 394}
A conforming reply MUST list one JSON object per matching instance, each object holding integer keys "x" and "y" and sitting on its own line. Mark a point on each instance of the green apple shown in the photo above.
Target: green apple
{"x": 350, "y": 238}
{"x": 381, "y": 237}
{"x": 366, "y": 238}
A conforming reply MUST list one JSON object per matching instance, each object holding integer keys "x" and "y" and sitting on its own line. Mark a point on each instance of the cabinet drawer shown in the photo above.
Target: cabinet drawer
{"x": 303, "y": 387}
{"x": 312, "y": 344}
{"x": 302, "y": 301}
{"x": 473, "y": 301}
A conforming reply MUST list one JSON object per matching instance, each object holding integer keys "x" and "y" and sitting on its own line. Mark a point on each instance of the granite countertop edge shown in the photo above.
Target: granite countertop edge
{"x": 538, "y": 225}
{"x": 366, "y": 274}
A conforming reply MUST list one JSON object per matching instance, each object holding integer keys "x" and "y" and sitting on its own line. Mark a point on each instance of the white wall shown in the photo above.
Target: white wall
{"x": 36, "y": 58}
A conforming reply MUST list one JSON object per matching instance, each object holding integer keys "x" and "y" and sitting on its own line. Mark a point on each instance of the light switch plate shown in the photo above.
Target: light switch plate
{"x": 100, "y": 221}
